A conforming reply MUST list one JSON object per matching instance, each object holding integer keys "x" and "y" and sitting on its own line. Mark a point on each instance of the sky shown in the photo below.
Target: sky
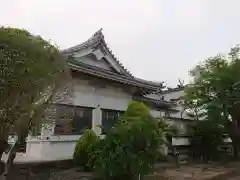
{"x": 158, "y": 40}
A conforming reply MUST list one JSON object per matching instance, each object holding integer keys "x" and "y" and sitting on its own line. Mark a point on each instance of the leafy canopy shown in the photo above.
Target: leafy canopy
{"x": 32, "y": 70}
{"x": 204, "y": 134}
{"x": 215, "y": 92}
{"x": 167, "y": 128}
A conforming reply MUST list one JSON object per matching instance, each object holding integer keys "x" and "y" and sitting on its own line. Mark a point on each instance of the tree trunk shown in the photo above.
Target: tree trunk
{"x": 3, "y": 147}
{"x": 235, "y": 148}
{"x": 11, "y": 154}
{"x": 1, "y": 163}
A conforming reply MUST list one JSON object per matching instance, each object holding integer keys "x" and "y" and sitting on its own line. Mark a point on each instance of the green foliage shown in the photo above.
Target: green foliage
{"x": 137, "y": 110}
{"x": 206, "y": 137}
{"x": 214, "y": 93}
{"x": 168, "y": 129}
{"x": 83, "y": 153}
{"x": 161, "y": 157}
{"x": 131, "y": 147}
{"x": 32, "y": 70}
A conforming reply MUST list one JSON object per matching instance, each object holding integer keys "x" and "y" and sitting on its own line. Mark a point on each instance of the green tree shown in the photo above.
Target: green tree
{"x": 214, "y": 92}
{"x": 32, "y": 74}
{"x": 84, "y": 148}
{"x": 131, "y": 147}
{"x": 205, "y": 139}
{"x": 168, "y": 129}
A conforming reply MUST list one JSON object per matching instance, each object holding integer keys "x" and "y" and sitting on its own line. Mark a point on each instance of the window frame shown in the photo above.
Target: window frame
{"x": 104, "y": 132}
{"x": 71, "y": 122}
{"x": 90, "y": 117}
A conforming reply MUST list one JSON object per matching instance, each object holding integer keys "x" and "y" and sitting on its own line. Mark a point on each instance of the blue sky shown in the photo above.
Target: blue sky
{"x": 155, "y": 39}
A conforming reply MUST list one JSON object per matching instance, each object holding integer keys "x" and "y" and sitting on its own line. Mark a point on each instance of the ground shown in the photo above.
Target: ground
{"x": 213, "y": 171}
{"x": 187, "y": 172}
{"x": 197, "y": 172}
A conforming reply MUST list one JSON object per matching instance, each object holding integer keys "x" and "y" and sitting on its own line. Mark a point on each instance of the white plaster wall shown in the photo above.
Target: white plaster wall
{"x": 156, "y": 113}
{"x": 180, "y": 124}
{"x": 34, "y": 149}
{"x": 58, "y": 149}
{"x": 62, "y": 147}
{"x": 180, "y": 141}
{"x": 54, "y": 148}
{"x": 93, "y": 61}
{"x": 108, "y": 97}
{"x": 96, "y": 60}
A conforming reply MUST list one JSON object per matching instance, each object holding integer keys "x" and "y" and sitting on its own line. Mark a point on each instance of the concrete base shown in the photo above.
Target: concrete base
{"x": 54, "y": 148}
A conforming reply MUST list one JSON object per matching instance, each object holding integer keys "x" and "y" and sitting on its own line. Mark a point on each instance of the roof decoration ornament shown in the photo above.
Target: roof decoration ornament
{"x": 179, "y": 87}
{"x": 180, "y": 83}
{"x": 160, "y": 88}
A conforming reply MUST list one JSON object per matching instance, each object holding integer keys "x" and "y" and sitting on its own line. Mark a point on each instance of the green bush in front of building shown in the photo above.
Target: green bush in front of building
{"x": 132, "y": 146}
{"x": 84, "y": 147}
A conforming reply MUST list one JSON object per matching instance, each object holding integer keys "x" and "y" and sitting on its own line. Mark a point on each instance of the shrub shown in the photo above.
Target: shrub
{"x": 131, "y": 147}
{"x": 205, "y": 140}
{"x": 161, "y": 157}
{"x": 84, "y": 149}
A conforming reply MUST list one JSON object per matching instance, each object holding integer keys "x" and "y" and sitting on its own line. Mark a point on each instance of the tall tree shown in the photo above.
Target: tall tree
{"x": 33, "y": 73}
{"x": 214, "y": 92}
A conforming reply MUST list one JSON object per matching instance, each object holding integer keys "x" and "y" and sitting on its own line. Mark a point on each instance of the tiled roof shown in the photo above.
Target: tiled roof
{"x": 93, "y": 70}
{"x": 98, "y": 39}
{"x": 169, "y": 90}
{"x": 157, "y": 102}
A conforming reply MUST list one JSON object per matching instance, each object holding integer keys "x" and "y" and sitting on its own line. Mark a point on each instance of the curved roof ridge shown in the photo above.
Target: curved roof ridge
{"x": 156, "y": 83}
{"x": 97, "y": 38}
{"x": 101, "y": 38}
{"x": 178, "y": 88}
{"x": 94, "y": 39}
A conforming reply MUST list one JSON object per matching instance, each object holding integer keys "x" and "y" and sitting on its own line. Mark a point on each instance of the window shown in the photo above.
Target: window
{"x": 167, "y": 113}
{"x": 72, "y": 120}
{"x": 63, "y": 119}
{"x": 36, "y": 129}
{"x": 82, "y": 120}
{"x": 109, "y": 118}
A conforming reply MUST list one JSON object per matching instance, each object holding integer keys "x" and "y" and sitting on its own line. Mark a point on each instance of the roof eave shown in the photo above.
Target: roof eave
{"x": 120, "y": 79}
{"x": 157, "y": 103}
{"x": 173, "y": 90}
